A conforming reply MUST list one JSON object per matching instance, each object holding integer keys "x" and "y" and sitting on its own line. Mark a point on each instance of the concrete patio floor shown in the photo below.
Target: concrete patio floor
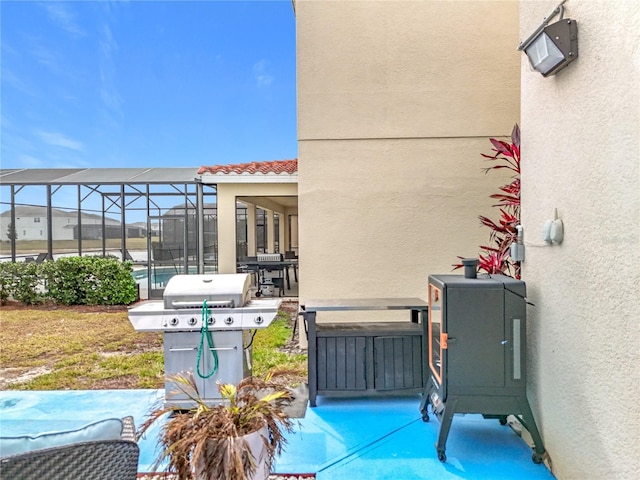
{"x": 368, "y": 438}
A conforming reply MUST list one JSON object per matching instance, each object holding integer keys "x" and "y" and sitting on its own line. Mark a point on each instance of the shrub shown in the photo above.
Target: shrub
{"x": 69, "y": 281}
{"x": 28, "y": 286}
{"x": 496, "y": 257}
{"x": 90, "y": 281}
{"x": 112, "y": 283}
{"x": 20, "y": 281}
{"x": 65, "y": 280}
{"x": 7, "y": 281}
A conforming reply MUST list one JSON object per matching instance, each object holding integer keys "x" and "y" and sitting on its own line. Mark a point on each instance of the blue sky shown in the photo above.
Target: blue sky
{"x": 146, "y": 83}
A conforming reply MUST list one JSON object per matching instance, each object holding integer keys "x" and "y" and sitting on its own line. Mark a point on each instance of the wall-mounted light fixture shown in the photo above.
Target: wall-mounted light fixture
{"x": 552, "y": 47}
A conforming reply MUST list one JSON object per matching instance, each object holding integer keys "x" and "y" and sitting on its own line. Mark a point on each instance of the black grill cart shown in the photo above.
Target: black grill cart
{"x": 476, "y": 340}
{"x": 364, "y": 358}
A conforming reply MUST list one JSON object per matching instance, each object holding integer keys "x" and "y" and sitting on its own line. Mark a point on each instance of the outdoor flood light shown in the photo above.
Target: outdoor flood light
{"x": 552, "y": 47}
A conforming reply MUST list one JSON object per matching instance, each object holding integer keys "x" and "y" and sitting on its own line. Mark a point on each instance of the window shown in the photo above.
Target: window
{"x": 36, "y": 219}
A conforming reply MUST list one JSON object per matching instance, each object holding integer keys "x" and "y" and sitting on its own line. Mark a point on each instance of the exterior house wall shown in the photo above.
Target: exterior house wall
{"x": 62, "y": 227}
{"x": 27, "y": 228}
{"x": 581, "y": 156}
{"x": 396, "y": 101}
{"x": 227, "y": 194}
{"x": 35, "y": 227}
{"x": 32, "y": 225}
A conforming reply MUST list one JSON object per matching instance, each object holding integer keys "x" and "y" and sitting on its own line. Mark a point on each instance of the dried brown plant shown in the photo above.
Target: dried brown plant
{"x": 210, "y": 438}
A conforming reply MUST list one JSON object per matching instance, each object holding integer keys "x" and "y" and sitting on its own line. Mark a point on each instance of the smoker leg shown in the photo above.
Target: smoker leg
{"x": 424, "y": 402}
{"x": 530, "y": 424}
{"x": 445, "y": 426}
{"x": 424, "y": 407}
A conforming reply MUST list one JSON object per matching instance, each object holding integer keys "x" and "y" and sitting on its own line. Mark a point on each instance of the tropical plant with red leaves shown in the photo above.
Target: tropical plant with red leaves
{"x": 496, "y": 257}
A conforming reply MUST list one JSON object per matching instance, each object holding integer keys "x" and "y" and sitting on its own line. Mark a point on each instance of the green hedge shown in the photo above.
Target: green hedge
{"x": 69, "y": 281}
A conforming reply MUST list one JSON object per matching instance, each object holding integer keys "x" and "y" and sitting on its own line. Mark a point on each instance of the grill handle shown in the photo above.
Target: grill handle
{"x": 213, "y": 304}
{"x": 190, "y": 349}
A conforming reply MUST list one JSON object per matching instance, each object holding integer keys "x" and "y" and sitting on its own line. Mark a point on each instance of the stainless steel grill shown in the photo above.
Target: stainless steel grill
{"x": 189, "y": 291}
{"x": 269, "y": 257}
{"x": 219, "y": 351}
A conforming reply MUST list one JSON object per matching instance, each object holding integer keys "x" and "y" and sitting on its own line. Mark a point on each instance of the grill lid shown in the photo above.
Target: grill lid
{"x": 269, "y": 257}
{"x": 219, "y": 290}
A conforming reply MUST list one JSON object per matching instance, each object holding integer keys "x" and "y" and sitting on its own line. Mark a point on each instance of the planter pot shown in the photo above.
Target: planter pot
{"x": 256, "y": 446}
{"x": 259, "y": 452}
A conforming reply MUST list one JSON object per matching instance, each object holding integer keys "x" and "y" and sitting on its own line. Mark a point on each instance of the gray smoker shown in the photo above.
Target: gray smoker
{"x": 208, "y": 323}
{"x": 477, "y": 352}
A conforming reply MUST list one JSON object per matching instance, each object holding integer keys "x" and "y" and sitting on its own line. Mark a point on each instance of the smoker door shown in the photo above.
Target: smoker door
{"x": 437, "y": 341}
{"x": 476, "y": 336}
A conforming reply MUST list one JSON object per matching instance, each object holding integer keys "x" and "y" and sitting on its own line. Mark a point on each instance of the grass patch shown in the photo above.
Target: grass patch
{"x": 266, "y": 353}
{"x": 264, "y": 362}
{"x": 276, "y": 335}
{"x": 101, "y": 350}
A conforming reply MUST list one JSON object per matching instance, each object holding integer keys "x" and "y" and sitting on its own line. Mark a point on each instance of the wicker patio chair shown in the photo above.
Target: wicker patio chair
{"x": 97, "y": 460}
{"x": 129, "y": 429}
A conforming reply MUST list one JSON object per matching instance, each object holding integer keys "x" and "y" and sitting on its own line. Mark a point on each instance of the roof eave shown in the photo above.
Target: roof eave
{"x": 214, "y": 178}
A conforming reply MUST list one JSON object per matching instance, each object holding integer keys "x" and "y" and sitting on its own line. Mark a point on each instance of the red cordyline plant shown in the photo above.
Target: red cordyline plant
{"x": 496, "y": 257}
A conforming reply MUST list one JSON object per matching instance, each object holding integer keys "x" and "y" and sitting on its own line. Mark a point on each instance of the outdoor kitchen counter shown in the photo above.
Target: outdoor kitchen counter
{"x": 365, "y": 358}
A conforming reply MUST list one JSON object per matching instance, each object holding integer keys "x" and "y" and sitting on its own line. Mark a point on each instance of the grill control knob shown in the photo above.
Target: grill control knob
{"x": 258, "y": 320}
{"x": 211, "y": 321}
{"x": 228, "y": 320}
{"x": 174, "y": 321}
{"x": 193, "y": 321}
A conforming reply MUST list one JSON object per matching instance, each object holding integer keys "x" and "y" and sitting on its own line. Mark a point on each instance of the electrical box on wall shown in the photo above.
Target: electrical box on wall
{"x": 553, "y": 230}
{"x": 517, "y": 247}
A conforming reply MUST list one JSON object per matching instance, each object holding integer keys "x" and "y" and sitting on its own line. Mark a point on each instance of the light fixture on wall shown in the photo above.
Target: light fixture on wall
{"x": 552, "y": 47}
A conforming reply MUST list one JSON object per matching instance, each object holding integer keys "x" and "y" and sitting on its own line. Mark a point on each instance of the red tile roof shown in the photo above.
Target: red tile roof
{"x": 278, "y": 166}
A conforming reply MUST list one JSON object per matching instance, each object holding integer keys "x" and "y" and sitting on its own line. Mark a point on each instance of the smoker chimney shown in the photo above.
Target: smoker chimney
{"x": 470, "y": 267}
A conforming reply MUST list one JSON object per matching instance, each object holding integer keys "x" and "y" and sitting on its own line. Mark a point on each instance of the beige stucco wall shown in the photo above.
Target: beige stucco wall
{"x": 581, "y": 155}
{"x": 406, "y": 69}
{"x": 396, "y": 101}
{"x": 378, "y": 216}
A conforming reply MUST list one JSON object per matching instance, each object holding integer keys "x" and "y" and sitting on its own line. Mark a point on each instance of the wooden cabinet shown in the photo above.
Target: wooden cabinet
{"x": 365, "y": 358}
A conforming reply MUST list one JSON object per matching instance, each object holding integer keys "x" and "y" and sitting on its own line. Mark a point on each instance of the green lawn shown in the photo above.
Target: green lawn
{"x": 65, "y": 348}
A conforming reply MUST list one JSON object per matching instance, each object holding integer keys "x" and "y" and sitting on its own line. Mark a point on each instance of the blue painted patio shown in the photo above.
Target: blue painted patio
{"x": 367, "y": 438}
